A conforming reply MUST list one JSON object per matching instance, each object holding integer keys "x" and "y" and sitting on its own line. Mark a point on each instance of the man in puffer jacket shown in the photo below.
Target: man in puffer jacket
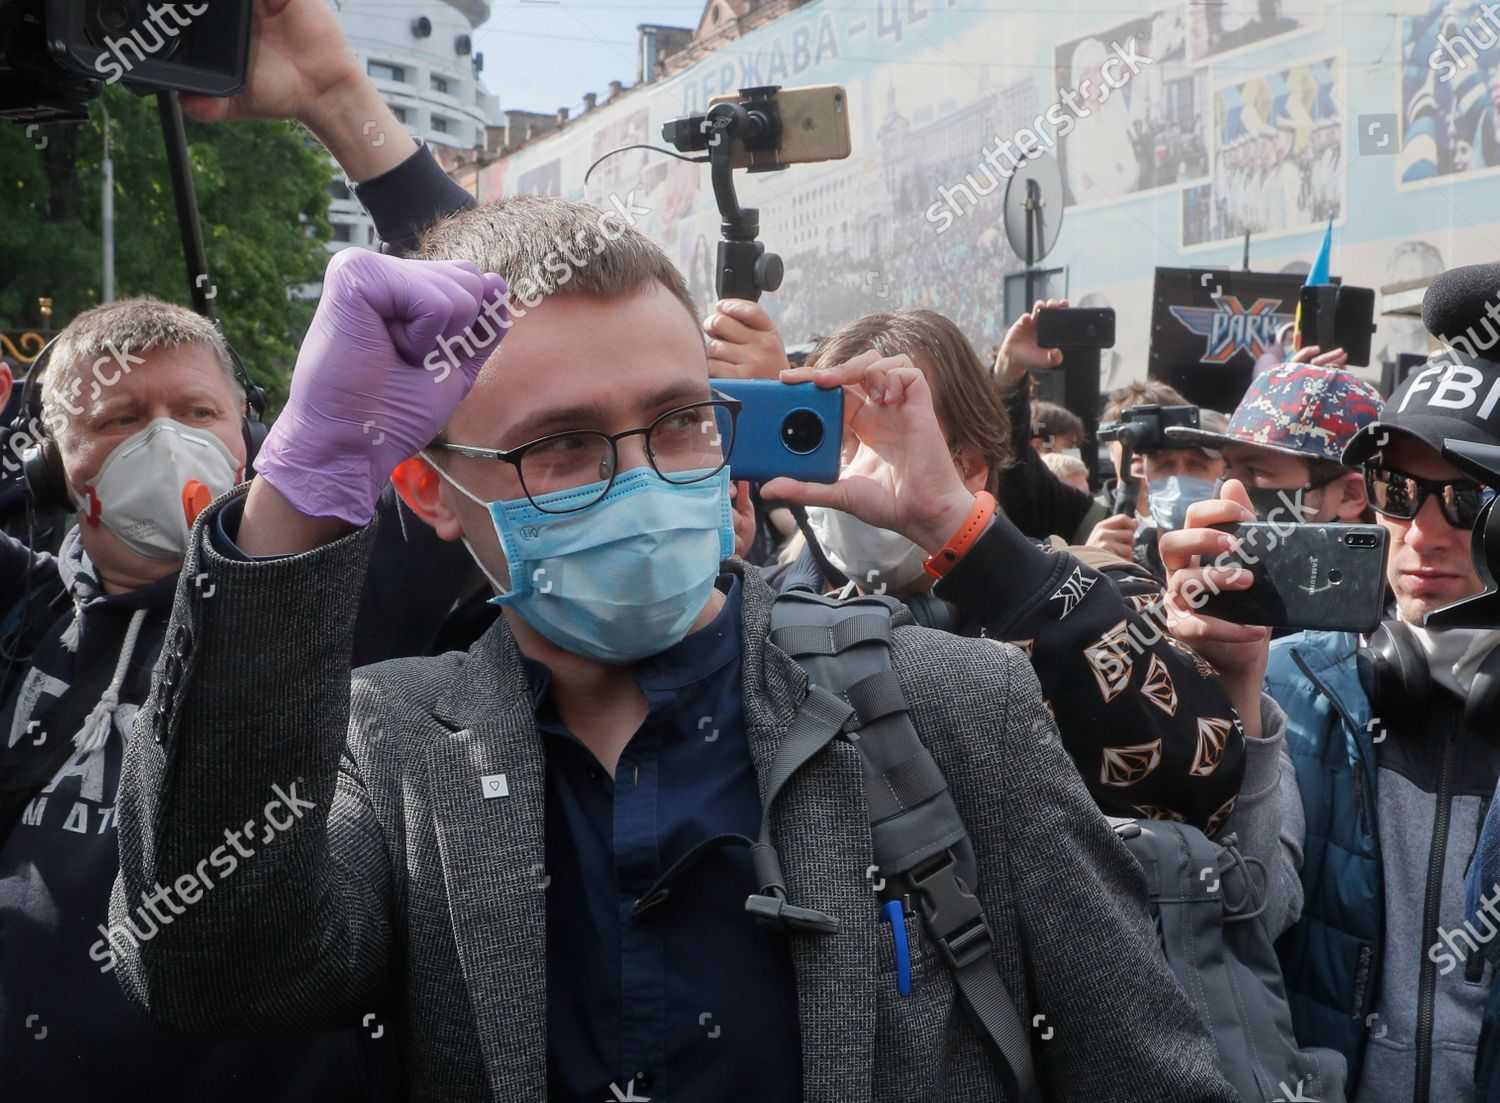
{"x": 1396, "y": 771}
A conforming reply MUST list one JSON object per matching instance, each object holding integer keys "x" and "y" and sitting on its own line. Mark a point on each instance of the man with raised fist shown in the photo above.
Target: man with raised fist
{"x": 530, "y": 855}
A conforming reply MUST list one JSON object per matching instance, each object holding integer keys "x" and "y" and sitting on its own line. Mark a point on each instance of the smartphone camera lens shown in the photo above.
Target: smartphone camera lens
{"x": 802, "y": 431}
{"x": 1360, "y": 540}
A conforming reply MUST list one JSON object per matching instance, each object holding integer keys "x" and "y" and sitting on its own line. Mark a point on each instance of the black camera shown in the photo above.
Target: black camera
{"x": 57, "y": 55}
{"x": 1145, "y": 427}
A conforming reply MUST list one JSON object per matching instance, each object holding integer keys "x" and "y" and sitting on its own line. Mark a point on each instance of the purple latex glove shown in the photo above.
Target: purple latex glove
{"x": 393, "y": 349}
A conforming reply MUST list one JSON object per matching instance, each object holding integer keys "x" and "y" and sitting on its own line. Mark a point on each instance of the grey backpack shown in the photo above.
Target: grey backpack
{"x": 1207, "y": 910}
{"x": 1205, "y": 906}
{"x": 920, "y": 844}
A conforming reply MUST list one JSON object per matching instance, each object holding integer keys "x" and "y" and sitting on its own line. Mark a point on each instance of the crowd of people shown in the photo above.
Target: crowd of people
{"x": 474, "y": 734}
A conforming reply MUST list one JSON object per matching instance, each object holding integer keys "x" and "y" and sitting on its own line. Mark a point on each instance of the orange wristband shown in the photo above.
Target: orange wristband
{"x": 971, "y": 530}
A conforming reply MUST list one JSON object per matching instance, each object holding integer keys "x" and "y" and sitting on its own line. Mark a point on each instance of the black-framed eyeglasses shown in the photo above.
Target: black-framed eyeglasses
{"x": 1402, "y": 496}
{"x": 687, "y": 444}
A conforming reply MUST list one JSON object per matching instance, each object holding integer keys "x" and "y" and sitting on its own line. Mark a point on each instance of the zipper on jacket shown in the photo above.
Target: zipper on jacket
{"x": 1427, "y": 987}
{"x": 1359, "y": 795}
{"x": 1357, "y": 764}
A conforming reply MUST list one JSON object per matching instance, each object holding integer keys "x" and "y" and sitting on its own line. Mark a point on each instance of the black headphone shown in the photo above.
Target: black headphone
{"x": 42, "y": 473}
{"x": 1397, "y": 678}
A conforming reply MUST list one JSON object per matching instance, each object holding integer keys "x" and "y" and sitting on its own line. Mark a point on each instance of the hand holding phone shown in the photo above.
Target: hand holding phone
{"x": 784, "y": 429}
{"x": 1076, "y": 327}
{"x": 1325, "y": 577}
{"x": 902, "y": 476}
{"x": 1339, "y": 317}
{"x": 1238, "y": 652}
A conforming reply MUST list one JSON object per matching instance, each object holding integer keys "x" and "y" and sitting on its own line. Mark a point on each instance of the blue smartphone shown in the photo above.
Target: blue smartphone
{"x": 792, "y": 429}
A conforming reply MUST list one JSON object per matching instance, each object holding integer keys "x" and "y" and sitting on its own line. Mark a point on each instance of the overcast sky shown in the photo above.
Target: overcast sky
{"x": 541, "y": 55}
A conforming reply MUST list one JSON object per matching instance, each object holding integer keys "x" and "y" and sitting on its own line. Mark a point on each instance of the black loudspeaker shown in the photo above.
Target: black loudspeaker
{"x": 1394, "y": 671}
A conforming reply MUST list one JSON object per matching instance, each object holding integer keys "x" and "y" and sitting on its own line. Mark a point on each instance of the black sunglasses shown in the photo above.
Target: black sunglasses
{"x": 1402, "y": 496}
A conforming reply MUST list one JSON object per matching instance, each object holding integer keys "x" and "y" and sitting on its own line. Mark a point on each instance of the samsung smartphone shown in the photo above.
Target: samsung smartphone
{"x": 1076, "y": 327}
{"x": 1329, "y": 577}
{"x": 814, "y": 127}
{"x": 791, "y": 429}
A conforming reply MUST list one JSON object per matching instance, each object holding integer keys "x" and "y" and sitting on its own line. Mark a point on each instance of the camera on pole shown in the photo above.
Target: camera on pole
{"x": 56, "y": 56}
{"x": 745, "y": 269}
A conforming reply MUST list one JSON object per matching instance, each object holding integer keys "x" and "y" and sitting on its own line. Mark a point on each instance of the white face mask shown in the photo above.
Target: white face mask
{"x": 152, "y": 487}
{"x": 876, "y": 559}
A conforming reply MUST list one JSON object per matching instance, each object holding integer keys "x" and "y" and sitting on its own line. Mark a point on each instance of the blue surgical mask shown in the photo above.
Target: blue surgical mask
{"x": 623, "y": 578}
{"x": 1170, "y": 498}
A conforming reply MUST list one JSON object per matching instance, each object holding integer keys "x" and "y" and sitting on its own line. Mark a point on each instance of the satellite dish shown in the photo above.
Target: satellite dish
{"x": 1034, "y": 195}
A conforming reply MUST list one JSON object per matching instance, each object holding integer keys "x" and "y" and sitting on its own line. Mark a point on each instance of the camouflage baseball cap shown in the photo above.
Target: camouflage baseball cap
{"x": 1299, "y": 409}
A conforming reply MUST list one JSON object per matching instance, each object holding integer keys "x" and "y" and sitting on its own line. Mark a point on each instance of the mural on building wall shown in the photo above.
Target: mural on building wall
{"x": 1148, "y": 132}
{"x": 544, "y": 179}
{"x": 1242, "y": 120}
{"x": 1450, "y": 88}
{"x": 1230, "y": 25}
{"x": 1408, "y": 260}
{"x": 1278, "y": 156}
{"x": 625, "y": 168}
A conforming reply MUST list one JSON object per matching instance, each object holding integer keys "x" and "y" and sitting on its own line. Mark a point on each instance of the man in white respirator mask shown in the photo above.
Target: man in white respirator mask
{"x": 870, "y": 558}
{"x": 145, "y": 424}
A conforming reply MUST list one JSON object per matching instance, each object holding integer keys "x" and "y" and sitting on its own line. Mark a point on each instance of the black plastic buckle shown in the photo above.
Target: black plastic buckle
{"x": 775, "y": 912}
{"x": 955, "y": 920}
{"x": 968, "y": 946}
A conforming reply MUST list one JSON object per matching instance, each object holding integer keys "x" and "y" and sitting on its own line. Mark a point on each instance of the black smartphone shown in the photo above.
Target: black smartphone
{"x": 1328, "y": 577}
{"x": 1076, "y": 327}
{"x": 1339, "y": 317}
{"x": 792, "y": 429}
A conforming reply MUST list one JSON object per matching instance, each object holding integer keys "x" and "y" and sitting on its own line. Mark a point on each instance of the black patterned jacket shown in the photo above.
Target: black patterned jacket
{"x": 1145, "y": 719}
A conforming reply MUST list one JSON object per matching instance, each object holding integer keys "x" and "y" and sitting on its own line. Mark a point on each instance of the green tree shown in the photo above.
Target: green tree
{"x": 263, "y": 201}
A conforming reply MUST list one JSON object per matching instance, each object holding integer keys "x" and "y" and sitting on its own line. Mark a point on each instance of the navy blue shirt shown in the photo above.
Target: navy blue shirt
{"x": 694, "y": 1000}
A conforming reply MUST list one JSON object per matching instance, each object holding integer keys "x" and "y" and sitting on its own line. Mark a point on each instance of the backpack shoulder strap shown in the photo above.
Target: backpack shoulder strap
{"x": 920, "y": 844}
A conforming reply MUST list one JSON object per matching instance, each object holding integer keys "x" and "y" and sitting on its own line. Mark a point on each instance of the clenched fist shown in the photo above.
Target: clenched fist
{"x": 393, "y": 349}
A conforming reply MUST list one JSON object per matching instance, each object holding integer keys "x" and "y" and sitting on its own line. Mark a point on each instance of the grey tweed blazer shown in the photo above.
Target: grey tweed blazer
{"x": 402, "y": 890}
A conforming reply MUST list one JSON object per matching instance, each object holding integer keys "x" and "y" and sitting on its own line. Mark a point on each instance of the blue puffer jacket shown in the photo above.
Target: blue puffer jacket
{"x": 1331, "y": 957}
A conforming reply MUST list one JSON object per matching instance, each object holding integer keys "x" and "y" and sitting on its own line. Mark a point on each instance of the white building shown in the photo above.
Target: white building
{"x": 421, "y": 57}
